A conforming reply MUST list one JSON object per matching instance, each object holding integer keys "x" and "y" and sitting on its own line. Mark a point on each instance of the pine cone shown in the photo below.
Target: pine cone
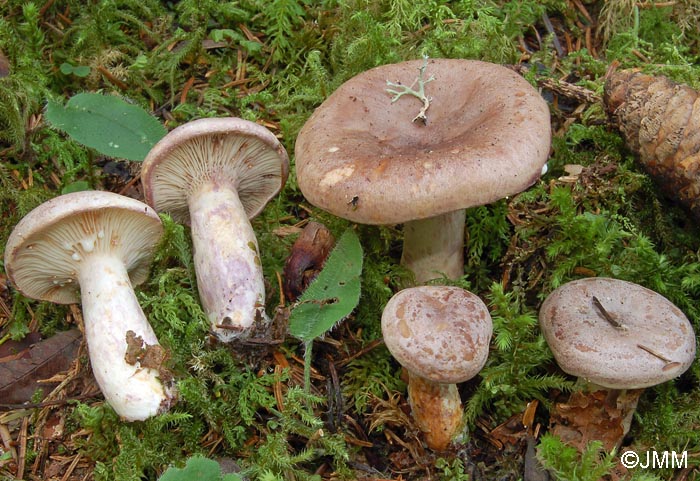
{"x": 660, "y": 120}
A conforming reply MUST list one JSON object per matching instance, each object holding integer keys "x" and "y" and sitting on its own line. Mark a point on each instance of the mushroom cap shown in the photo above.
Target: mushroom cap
{"x": 44, "y": 252}
{"x": 588, "y": 346}
{"x": 439, "y": 333}
{"x": 228, "y": 151}
{"x": 360, "y": 157}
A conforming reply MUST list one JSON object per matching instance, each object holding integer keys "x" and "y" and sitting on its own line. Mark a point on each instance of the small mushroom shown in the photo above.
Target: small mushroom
{"x": 441, "y": 336}
{"x": 360, "y": 157}
{"x": 93, "y": 247}
{"x": 216, "y": 174}
{"x": 616, "y": 336}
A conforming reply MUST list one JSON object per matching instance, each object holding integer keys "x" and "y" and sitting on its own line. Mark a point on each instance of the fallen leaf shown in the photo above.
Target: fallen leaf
{"x": 590, "y": 416}
{"x": 20, "y": 377}
{"x": 306, "y": 259}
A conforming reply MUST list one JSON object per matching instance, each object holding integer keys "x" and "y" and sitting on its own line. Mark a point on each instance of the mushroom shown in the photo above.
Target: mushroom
{"x": 360, "y": 157}
{"x": 440, "y": 335}
{"x": 618, "y": 337}
{"x": 216, "y": 174}
{"x": 93, "y": 247}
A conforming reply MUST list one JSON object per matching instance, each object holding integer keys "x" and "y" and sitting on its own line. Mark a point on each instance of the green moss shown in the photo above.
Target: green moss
{"x": 612, "y": 221}
{"x": 515, "y": 372}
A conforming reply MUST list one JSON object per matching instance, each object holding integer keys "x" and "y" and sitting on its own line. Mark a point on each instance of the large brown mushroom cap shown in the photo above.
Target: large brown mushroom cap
{"x": 587, "y": 345}
{"x": 361, "y": 157}
{"x": 44, "y": 252}
{"x": 228, "y": 151}
{"x": 439, "y": 333}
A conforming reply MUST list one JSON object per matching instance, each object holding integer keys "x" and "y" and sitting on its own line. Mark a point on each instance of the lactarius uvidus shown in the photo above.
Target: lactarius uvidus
{"x": 216, "y": 174}
{"x": 92, "y": 247}
{"x": 440, "y": 335}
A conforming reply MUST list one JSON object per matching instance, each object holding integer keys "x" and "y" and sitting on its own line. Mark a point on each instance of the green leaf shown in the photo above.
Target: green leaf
{"x": 69, "y": 69}
{"x": 81, "y": 71}
{"x": 77, "y": 186}
{"x": 199, "y": 468}
{"x": 107, "y": 124}
{"x": 333, "y": 294}
{"x": 66, "y": 68}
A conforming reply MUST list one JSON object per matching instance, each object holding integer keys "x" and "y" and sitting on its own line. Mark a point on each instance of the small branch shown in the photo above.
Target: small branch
{"x": 606, "y": 315}
{"x": 654, "y": 353}
{"x": 398, "y": 90}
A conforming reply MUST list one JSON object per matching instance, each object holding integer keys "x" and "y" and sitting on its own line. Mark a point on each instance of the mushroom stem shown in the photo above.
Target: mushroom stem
{"x": 625, "y": 400}
{"x": 229, "y": 272}
{"x": 435, "y": 246}
{"x": 437, "y": 410}
{"x": 110, "y": 311}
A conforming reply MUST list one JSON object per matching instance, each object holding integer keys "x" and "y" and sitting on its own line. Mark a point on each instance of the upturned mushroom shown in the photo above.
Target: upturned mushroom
{"x": 216, "y": 174}
{"x": 617, "y": 337}
{"x": 441, "y": 336}
{"x": 486, "y": 136}
{"x": 93, "y": 247}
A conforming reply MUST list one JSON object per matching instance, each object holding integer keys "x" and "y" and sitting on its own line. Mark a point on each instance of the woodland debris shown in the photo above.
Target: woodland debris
{"x": 4, "y": 65}
{"x": 22, "y": 373}
{"x": 660, "y": 121}
{"x": 306, "y": 259}
{"x": 591, "y": 416}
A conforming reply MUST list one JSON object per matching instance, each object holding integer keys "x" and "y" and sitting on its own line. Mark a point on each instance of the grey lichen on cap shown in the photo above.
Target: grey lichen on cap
{"x": 654, "y": 342}
{"x": 439, "y": 333}
{"x": 361, "y": 157}
{"x": 228, "y": 150}
{"x": 44, "y": 252}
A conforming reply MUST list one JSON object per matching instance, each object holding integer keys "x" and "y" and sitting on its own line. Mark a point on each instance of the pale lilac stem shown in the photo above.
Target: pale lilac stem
{"x": 227, "y": 263}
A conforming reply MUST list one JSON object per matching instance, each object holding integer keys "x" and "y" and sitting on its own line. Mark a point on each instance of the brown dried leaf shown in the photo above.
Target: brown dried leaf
{"x": 586, "y": 417}
{"x": 511, "y": 432}
{"x": 306, "y": 259}
{"x": 147, "y": 355}
{"x": 19, "y": 377}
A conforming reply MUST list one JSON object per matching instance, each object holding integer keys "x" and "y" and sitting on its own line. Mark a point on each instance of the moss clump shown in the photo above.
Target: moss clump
{"x": 274, "y": 62}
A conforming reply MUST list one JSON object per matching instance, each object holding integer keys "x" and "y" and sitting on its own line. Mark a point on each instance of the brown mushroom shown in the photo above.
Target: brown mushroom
{"x": 361, "y": 157}
{"x": 215, "y": 174}
{"x": 618, "y": 337}
{"x": 441, "y": 336}
{"x": 93, "y": 247}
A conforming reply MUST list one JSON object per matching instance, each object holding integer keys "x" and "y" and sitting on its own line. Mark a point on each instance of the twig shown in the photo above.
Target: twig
{"x": 22, "y": 441}
{"x": 57, "y": 402}
{"x": 361, "y": 352}
{"x": 654, "y": 353}
{"x": 71, "y": 467}
{"x": 605, "y": 314}
{"x": 399, "y": 90}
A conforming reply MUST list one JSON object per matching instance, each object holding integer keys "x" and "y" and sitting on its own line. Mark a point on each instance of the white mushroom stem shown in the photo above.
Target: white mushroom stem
{"x": 437, "y": 410}
{"x": 229, "y": 273}
{"x": 110, "y": 311}
{"x": 434, "y": 247}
